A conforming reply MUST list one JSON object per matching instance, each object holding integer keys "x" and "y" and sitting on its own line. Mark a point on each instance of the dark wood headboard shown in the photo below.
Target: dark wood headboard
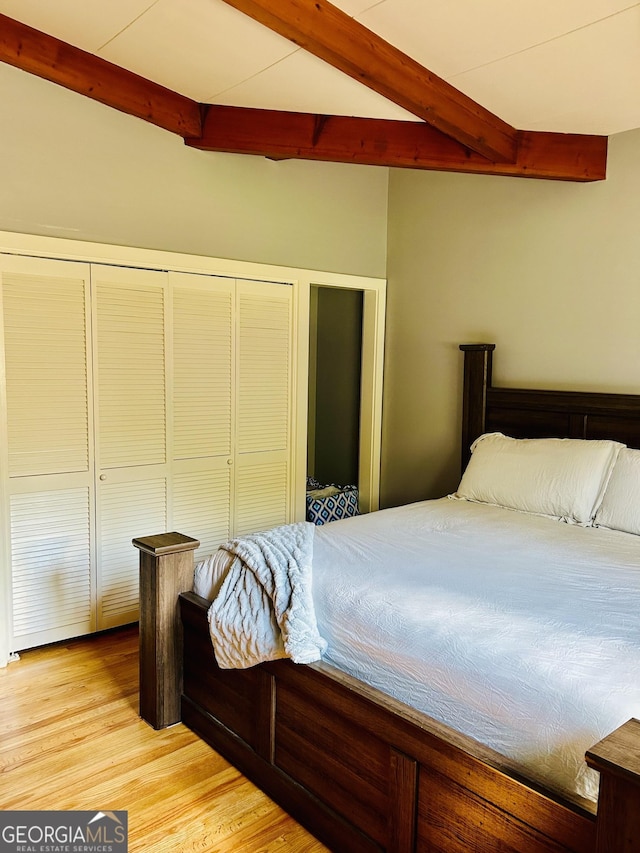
{"x": 525, "y": 413}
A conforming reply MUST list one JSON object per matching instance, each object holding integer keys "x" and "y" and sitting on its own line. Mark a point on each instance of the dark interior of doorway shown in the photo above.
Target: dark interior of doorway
{"x": 335, "y": 362}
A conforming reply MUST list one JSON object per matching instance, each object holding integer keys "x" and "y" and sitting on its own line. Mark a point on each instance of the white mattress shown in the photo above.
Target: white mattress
{"x": 520, "y": 631}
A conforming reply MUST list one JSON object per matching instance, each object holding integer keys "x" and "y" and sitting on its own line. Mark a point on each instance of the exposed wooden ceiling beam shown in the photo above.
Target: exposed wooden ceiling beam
{"x": 380, "y": 142}
{"x": 335, "y": 37}
{"x": 287, "y": 135}
{"x": 87, "y": 74}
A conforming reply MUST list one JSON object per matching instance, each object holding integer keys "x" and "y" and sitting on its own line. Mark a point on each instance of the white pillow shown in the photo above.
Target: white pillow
{"x": 620, "y": 508}
{"x": 561, "y": 477}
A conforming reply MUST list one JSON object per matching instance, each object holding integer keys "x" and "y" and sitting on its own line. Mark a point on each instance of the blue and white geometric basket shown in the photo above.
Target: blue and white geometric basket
{"x": 330, "y": 502}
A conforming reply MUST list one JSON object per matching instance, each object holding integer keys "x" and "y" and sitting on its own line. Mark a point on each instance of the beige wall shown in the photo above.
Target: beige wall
{"x": 70, "y": 167}
{"x": 548, "y": 271}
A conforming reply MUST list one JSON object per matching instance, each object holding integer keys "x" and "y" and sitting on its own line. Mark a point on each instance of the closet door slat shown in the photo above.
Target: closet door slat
{"x": 202, "y": 366}
{"x": 201, "y": 505}
{"x": 264, "y": 374}
{"x": 51, "y": 556}
{"x": 131, "y": 372}
{"x": 262, "y": 459}
{"x": 126, "y": 507}
{"x": 46, "y": 367}
{"x": 261, "y": 492}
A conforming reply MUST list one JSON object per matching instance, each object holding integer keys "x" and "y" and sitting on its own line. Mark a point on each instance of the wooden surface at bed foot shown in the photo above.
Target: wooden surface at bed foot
{"x": 617, "y": 758}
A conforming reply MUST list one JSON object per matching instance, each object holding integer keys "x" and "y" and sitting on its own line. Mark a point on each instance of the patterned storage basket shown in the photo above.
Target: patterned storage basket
{"x": 341, "y": 502}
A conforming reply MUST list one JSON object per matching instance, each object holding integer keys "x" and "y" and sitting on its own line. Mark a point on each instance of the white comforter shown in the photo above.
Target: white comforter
{"x": 520, "y": 631}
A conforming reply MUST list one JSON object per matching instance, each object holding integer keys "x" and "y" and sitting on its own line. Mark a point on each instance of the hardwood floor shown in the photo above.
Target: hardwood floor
{"x": 71, "y": 738}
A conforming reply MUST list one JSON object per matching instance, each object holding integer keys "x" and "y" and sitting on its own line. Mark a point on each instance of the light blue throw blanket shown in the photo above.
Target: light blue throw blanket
{"x": 264, "y": 609}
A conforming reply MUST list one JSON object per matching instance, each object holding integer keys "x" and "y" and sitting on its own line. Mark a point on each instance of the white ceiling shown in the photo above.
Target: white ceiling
{"x": 571, "y": 66}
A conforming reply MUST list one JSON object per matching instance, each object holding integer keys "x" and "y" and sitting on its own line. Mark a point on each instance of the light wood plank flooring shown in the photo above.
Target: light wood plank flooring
{"x": 71, "y": 738}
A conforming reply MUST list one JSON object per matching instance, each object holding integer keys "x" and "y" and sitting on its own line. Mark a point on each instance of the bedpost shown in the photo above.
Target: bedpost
{"x": 477, "y": 378}
{"x": 166, "y": 570}
{"x": 617, "y": 758}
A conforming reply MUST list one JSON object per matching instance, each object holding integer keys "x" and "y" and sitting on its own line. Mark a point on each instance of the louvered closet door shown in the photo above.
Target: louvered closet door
{"x": 45, "y": 312}
{"x": 263, "y": 428}
{"x": 203, "y": 368}
{"x": 132, "y": 438}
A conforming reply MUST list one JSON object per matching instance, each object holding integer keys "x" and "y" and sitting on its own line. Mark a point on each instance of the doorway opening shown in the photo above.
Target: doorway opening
{"x": 335, "y": 384}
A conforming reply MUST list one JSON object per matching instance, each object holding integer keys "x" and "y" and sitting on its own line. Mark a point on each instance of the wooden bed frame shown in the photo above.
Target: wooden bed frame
{"x": 360, "y": 770}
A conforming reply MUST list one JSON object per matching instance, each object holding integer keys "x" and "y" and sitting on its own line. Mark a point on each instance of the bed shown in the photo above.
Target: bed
{"x": 366, "y": 771}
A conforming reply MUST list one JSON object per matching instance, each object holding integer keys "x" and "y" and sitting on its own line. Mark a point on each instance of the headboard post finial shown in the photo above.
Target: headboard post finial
{"x": 477, "y": 379}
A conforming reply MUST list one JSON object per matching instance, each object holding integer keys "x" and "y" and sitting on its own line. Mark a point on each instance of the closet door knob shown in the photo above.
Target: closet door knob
{"x": 229, "y": 461}
{"x": 103, "y": 476}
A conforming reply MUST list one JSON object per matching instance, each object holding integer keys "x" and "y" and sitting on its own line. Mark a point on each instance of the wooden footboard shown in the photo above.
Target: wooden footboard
{"x": 361, "y": 771}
